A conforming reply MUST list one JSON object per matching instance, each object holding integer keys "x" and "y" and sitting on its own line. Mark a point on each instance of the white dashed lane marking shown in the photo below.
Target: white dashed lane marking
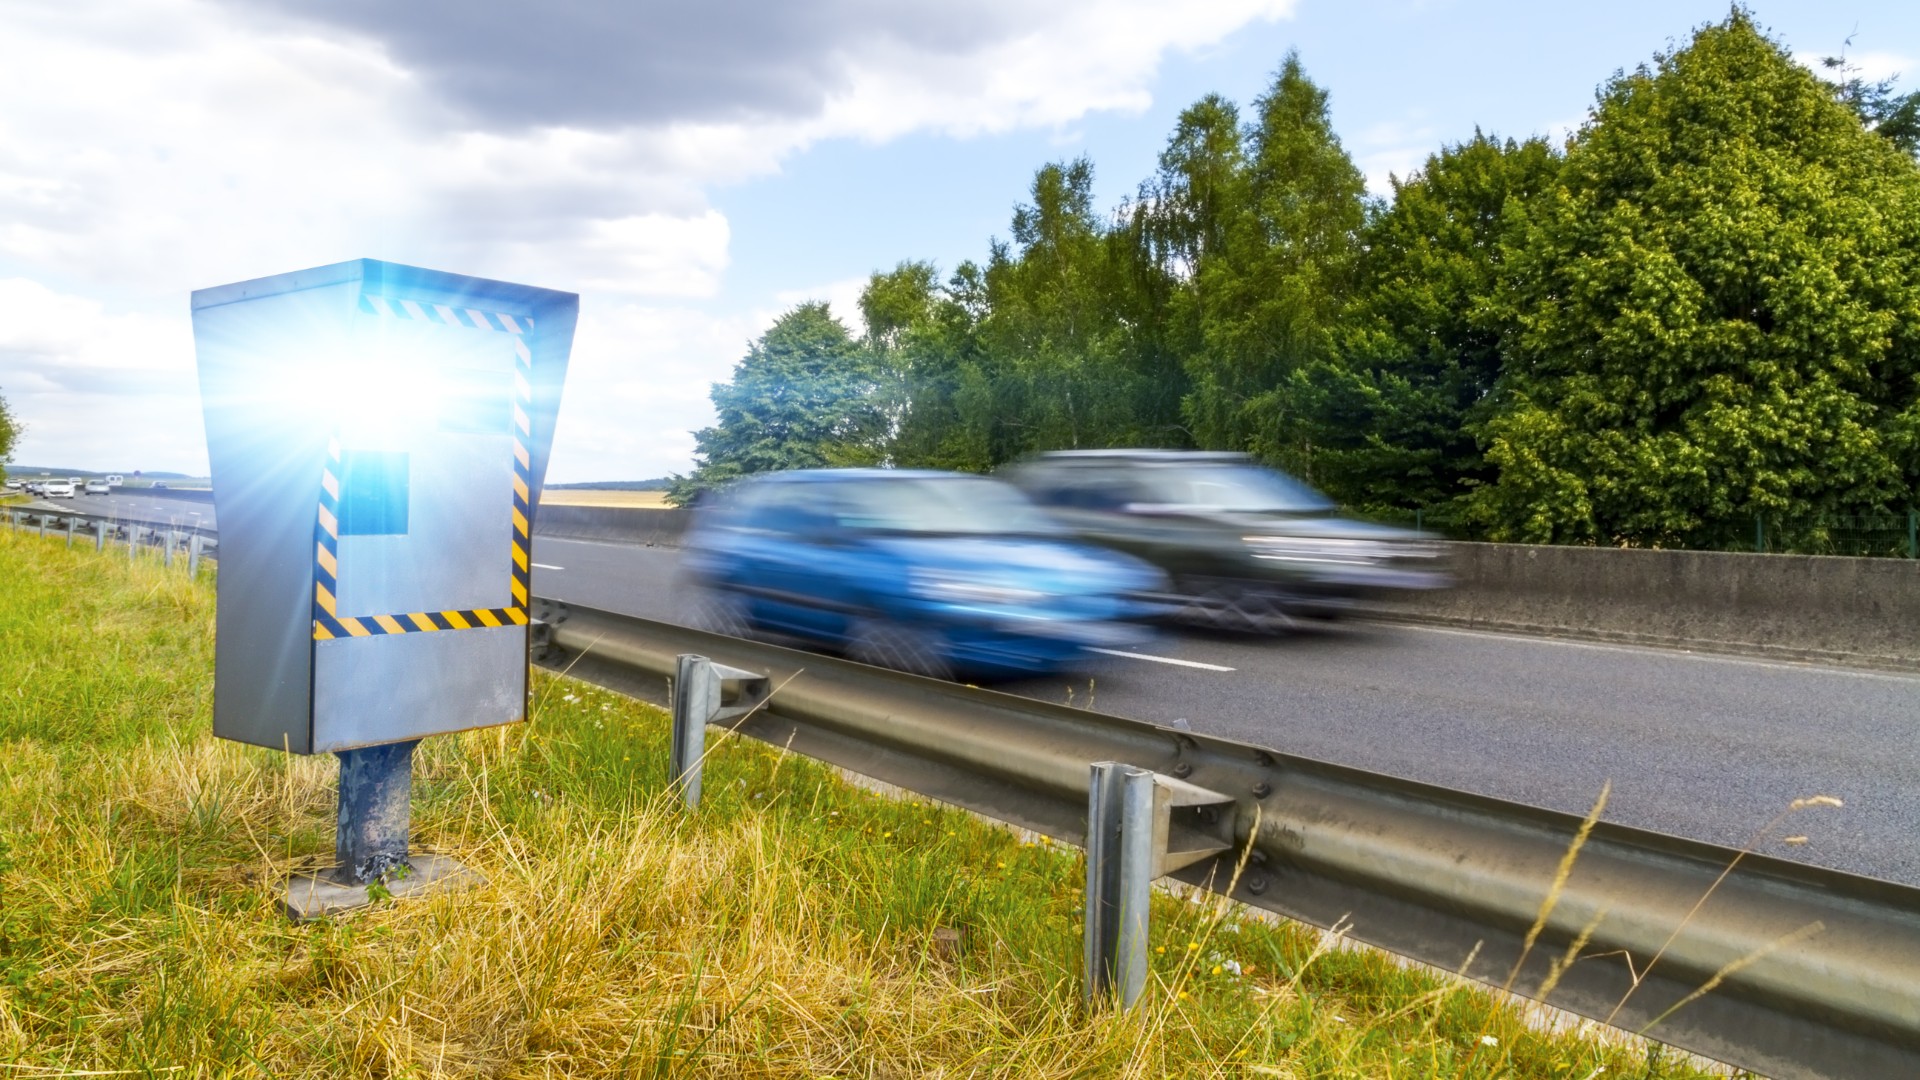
{"x": 1162, "y": 660}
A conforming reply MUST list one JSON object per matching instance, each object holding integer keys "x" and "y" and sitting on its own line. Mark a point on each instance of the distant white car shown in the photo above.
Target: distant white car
{"x": 57, "y": 489}
{"x": 99, "y": 487}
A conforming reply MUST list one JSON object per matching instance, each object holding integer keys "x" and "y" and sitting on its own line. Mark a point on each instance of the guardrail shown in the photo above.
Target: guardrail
{"x": 195, "y": 542}
{"x": 1778, "y": 967}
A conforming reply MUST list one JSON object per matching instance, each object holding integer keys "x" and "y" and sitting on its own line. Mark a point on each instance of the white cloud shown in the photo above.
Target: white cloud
{"x": 149, "y": 147}
{"x": 1392, "y": 150}
{"x": 98, "y": 388}
{"x": 842, "y": 297}
{"x": 1871, "y": 66}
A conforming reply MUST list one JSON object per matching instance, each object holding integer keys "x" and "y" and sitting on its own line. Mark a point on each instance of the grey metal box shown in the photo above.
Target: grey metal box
{"x": 379, "y": 436}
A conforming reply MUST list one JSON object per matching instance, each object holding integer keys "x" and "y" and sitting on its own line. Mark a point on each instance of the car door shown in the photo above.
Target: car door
{"x": 782, "y": 561}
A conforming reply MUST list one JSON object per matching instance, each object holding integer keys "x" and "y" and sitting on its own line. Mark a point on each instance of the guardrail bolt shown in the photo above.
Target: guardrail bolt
{"x": 1262, "y": 789}
{"x": 1182, "y": 770}
{"x": 1256, "y": 883}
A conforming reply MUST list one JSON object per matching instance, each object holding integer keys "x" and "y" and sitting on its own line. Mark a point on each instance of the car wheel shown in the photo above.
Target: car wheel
{"x": 718, "y": 611}
{"x": 902, "y": 648}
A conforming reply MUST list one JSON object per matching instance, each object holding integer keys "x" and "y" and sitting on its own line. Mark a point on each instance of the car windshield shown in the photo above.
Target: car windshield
{"x": 940, "y": 505}
{"x": 1232, "y": 487}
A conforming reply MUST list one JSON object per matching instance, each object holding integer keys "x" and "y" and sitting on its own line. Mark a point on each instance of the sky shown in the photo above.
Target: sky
{"x": 690, "y": 170}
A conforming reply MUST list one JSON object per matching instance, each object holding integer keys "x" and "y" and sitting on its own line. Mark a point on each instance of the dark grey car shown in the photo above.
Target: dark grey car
{"x": 1247, "y": 547}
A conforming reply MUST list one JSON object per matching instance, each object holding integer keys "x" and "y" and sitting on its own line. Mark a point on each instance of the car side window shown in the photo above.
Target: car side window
{"x": 788, "y": 509}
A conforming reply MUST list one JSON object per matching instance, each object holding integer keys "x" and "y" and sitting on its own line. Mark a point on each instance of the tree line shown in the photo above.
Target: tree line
{"x": 1702, "y": 308}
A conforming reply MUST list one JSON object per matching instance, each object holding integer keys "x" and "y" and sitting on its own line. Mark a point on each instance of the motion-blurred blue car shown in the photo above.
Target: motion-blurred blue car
{"x": 935, "y": 573}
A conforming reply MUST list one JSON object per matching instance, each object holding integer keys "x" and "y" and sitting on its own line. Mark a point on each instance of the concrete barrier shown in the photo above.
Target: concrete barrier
{"x": 612, "y": 524}
{"x": 1796, "y": 607}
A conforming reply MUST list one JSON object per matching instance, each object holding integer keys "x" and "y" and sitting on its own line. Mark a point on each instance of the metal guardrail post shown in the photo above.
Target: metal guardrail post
{"x": 193, "y": 558}
{"x": 1140, "y": 826}
{"x": 100, "y": 536}
{"x": 168, "y": 539}
{"x": 133, "y": 536}
{"x": 70, "y": 524}
{"x": 376, "y": 784}
{"x": 43, "y": 526}
{"x": 698, "y": 692}
{"x": 1119, "y": 881}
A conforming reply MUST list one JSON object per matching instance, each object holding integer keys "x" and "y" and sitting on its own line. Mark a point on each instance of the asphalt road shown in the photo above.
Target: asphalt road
{"x": 1708, "y": 747}
{"x": 137, "y": 504}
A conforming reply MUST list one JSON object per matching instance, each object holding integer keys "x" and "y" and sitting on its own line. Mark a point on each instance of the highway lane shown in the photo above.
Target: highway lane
{"x": 1704, "y": 746}
{"x": 137, "y": 504}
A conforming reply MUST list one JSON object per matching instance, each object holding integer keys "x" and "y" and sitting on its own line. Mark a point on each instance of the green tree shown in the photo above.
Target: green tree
{"x": 807, "y": 395}
{"x": 10, "y": 430}
{"x": 924, "y": 337}
{"x": 1879, "y": 104}
{"x": 1276, "y": 246}
{"x": 1717, "y": 307}
{"x": 1392, "y": 417}
{"x": 1060, "y": 353}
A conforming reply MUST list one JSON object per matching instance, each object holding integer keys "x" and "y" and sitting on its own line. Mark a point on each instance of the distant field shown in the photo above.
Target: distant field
{"x": 651, "y": 499}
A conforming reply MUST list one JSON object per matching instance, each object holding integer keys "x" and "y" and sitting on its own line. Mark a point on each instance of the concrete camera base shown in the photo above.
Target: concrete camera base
{"x": 314, "y": 894}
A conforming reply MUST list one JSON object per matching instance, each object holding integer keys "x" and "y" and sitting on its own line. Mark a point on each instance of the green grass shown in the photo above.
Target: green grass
{"x": 786, "y": 930}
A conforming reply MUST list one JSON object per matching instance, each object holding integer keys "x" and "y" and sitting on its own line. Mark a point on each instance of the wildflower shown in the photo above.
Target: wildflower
{"x": 1218, "y": 970}
{"x": 884, "y": 835}
{"x": 1183, "y": 995}
{"x": 1231, "y": 965}
{"x": 1002, "y": 866}
{"x": 1193, "y": 946}
{"x": 1488, "y": 1040}
{"x": 1161, "y": 949}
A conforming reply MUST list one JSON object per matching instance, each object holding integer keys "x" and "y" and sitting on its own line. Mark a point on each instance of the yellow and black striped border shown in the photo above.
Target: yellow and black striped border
{"x": 328, "y": 623}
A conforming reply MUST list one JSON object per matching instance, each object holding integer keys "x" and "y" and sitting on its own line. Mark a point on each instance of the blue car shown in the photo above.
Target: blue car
{"x": 940, "y": 574}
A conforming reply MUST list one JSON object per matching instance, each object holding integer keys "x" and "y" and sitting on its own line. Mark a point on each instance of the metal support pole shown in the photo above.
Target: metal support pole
{"x": 70, "y": 524}
{"x": 1120, "y": 870}
{"x": 133, "y": 537}
{"x": 193, "y": 558}
{"x": 43, "y": 525}
{"x": 376, "y": 783}
{"x": 696, "y": 698}
{"x": 99, "y": 536}
{"x": 699, "y": 686}
{"x": 166, "y": 551}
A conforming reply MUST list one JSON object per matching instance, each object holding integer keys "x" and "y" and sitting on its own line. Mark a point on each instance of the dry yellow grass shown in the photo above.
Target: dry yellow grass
{"x": 788, "y": 931}
{"x": 642, "y": 499}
